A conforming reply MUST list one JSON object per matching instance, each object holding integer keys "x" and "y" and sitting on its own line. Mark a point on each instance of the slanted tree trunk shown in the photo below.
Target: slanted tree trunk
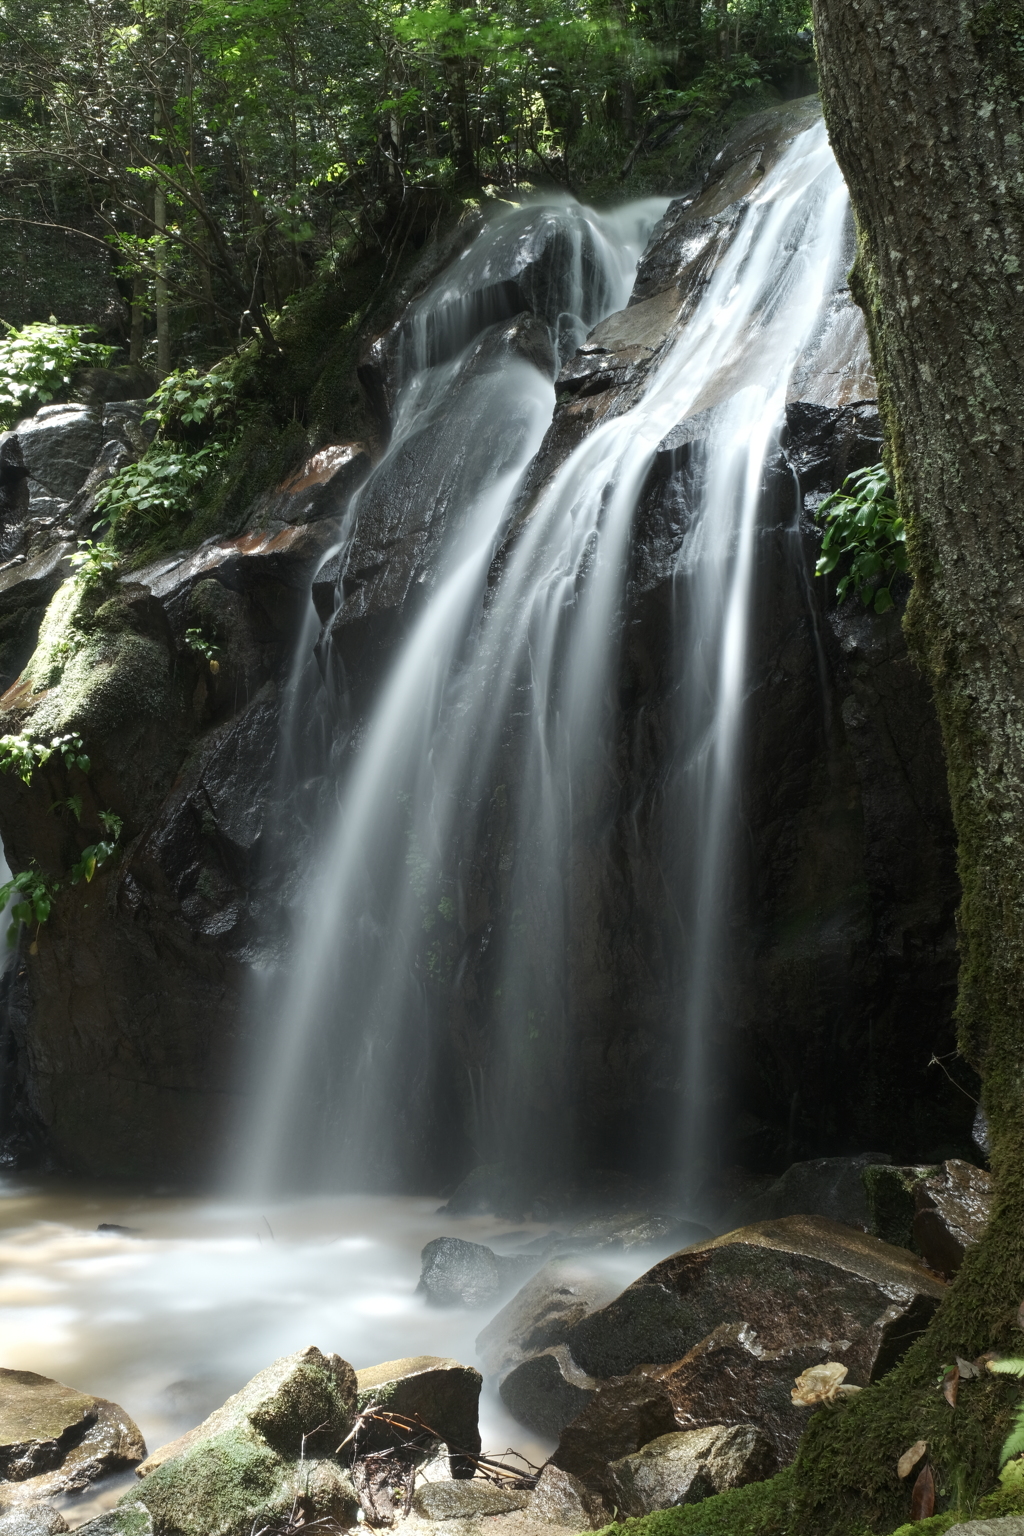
{"x": 923, "y": 100}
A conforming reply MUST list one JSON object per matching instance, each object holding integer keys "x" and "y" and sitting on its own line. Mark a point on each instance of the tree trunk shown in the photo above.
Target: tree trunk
{"x": 923, "y": 101}
{"x": 163, "y": 325}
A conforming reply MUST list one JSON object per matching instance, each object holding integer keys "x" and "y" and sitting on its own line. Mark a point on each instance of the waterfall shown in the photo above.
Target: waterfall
{"x": 491, "y": 742}
{"x": 470, "y": 370}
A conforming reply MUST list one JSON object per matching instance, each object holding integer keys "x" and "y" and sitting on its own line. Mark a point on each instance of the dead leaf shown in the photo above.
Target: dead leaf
{"x": 951, "y": 1386}
{"x": 1020, "y": 1315}
{"x": 968, "y": 1371}
{"x": 818, "y": 1384}
{"x": 909, "y": 1460}
{"x": 922, "y": 1500}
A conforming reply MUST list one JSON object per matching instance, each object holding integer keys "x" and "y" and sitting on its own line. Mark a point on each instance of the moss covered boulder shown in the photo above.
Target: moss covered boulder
{"x": 266, "y": 1452}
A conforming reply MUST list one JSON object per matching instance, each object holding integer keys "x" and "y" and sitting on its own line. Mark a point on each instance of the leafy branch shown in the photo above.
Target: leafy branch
{"x": 863, "y": 522}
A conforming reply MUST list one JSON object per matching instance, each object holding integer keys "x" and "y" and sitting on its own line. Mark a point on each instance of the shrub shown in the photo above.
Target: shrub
{"x": 38, "y": 360}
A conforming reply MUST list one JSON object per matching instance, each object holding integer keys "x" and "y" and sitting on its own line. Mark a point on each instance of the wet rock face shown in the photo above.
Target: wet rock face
{"x": 456, "y": 1273}
{"x": 546, "y": 1392}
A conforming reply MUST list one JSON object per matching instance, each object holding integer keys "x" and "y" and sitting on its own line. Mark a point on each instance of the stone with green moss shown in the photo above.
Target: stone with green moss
{"x": 267, "y": 1452}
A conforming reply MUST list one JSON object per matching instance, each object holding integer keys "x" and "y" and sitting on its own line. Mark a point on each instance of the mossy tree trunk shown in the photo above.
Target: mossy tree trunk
{"x": 923, "y": 100}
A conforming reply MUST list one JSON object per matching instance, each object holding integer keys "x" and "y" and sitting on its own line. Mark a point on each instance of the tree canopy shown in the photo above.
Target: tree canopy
{"x": 224, "y": 149}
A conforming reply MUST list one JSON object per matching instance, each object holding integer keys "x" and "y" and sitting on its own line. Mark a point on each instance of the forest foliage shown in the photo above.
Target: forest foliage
{"x": 225, "y": 151}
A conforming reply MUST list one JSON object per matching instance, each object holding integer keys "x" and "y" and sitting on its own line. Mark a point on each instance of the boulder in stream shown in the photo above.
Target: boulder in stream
{"x": 541, "y": 1314}
{"x": 562, "y": 1499}
{"x": 440, "y": 1395}
{"x": 32, "y": 1520}
{"x": 623, "y": 1416}
{"x": 546, "y": 1392}
{"x": 460, "y": 1274}
{"x": 56, "y": 1440}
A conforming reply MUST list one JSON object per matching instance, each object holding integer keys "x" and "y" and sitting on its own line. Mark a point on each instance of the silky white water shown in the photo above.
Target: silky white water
{"x": 461, "y": 376}
{"x": 513, "y": 684}
{"x": 172, "y": 1317}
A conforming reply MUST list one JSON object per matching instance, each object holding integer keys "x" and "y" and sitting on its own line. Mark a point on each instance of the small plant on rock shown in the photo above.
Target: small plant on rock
{"x": 93, "y": 561}
{"x": 863, "y": 522}
{"x": 22, "y": 754}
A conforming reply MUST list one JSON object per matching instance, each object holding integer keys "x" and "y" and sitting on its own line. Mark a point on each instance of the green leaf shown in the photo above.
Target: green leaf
{"x": 883, "y": 600}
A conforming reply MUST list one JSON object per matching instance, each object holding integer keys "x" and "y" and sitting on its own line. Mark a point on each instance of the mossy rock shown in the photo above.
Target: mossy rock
{"x": 248, "y": 1463}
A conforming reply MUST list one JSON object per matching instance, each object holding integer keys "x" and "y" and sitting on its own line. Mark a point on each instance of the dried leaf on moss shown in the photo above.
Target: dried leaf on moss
{"x": 909, "y": 1460}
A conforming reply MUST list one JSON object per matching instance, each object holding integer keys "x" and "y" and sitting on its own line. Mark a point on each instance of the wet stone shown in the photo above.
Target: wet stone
{"x": 689, "y": 1466}
{"x": 546, "y": 1392}
{"x": 952, "y": 1212}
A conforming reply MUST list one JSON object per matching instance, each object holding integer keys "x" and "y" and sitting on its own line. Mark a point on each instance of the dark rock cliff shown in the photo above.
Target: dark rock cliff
{"x": 124, "y": 1020}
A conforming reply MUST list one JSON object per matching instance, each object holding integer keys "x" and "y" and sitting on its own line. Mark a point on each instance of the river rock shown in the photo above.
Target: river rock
{"x": 798, "y": 1280}
{"x": 562, "y": 1499}
{"x": 460, "y": 1274}
{"x": 824, "y": 1186}
{"x": 32, "y": 1520}
{"x": 40, "y": 1420}
{"x": 280, "y": 1406}
{"x": 55, "y": 1440}
{"x": 623, "y": 1416}
{"x": 952, "y": 1211}
{"x": 467, "y": 1500}
{"x": 440, "y": 1394}
{"x": 546, "y": 1392}
{"x": 689, "y": 1466}
{"x": 541, "y": 1314}
{"x": 252, "y": 1459}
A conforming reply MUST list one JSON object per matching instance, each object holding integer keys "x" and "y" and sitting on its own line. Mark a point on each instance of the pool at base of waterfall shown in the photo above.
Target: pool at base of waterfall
{"x": 166, "y": 1305}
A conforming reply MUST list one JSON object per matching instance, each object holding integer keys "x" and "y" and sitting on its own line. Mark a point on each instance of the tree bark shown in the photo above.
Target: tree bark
{"x": 923, "y": 100}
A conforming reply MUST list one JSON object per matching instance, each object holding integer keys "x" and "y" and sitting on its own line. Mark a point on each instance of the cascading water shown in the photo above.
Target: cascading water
{"x": 471, "y": 369}
{"x": 490, "y": 738}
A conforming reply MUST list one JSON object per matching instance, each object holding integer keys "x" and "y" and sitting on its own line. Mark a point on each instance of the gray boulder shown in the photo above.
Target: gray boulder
{"x": 952, "y": 1211}
{"x": 56, "y": 448}
{"x": 689, "y": 1466}
{"x": 467, "y": 1500}
{"x": 541, "y": 1314}
{"x": 623, "y": 1416}
{"x": 32, "y": 1520}
{"x": 562, "y": 1499}
{"x": 439, "y": 1395}
{"x": 40, "y": 1420}
{"x": 1007, "y": 1525}
{"x": 547, "y": 1391}
{"x": 460, "y": 1274}
{"x": 796, "y": 1281}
